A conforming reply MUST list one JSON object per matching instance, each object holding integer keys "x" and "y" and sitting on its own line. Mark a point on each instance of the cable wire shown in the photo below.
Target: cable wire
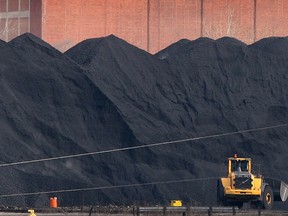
{"x": 142, "y": 146}
{"x": 125, "y": 149}
{"x": 107, "y": 187}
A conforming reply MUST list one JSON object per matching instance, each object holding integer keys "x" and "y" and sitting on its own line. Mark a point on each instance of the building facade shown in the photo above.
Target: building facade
{"x": 18, "y": 17}
{"x": 148, "y": 24}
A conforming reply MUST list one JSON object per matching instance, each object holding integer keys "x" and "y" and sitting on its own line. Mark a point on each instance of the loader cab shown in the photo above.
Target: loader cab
{"x": 236, "y": 164}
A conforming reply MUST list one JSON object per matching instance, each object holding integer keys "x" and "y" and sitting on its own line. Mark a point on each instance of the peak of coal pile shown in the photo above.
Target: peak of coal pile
{"x": 231, "y": 41}
{"x": 277, "y": 46}
{"x": 183, "y": 46}
{"x": 106, "y": 94}
{"x": 29, "y": 44}
{"x": 186, "y": 47}
{"x": 131, "y": 78}
{"x": 28, "y": 38}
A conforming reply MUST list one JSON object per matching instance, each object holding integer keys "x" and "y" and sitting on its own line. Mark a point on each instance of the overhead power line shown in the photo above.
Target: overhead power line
{"x": 125, "y": 149}
{"x": 142, "y": 146}
{"x": 107, "y": 187}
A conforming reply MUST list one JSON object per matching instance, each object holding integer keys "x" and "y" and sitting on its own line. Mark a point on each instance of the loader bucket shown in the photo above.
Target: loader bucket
{"x": 283, "y": 191}
{"x": 280, "y": 189}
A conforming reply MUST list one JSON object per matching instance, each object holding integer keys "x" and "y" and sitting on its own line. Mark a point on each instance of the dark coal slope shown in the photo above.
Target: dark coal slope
{"x": 193, "y": 89}
{"x": 49, "y": 107}
{"x": 131, "y": 79}
{"x": 2, "y": 43}
{"x": 134, "y": 81}
{"x": 235, "y": 87}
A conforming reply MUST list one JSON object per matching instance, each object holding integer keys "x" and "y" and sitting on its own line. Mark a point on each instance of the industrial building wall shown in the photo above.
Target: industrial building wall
{"x": 67, "y": 22}
{"x": 14, "y": 18}
{"x": 154, "y": 24}
{"x": 18, "y": 17}
{"x": 148, "y": 24}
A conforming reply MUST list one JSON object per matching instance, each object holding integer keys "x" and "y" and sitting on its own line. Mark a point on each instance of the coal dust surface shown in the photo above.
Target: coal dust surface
{"x": 106, "y": 94}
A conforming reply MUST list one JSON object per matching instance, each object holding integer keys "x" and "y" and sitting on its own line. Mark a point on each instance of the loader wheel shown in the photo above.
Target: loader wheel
{"x": 268, "y": 198}
{"x": 220, "y": 194}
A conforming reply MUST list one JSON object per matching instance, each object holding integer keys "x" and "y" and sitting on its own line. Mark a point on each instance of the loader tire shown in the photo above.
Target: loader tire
{"x": 220, "y": 194}
{"x": 268, "y": 198}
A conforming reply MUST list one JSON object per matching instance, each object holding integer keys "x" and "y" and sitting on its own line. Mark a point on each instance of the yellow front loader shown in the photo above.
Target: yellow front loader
{"x": 242, "y": 186}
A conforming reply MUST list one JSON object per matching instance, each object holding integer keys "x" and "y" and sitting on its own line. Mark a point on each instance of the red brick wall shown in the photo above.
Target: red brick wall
{"x": 13, "y": 5}
{"x": 154, "y": 24}
{"x": 67, "y": 22}
{"x": 24, "y": 6}
{"x": 127, "y": 19}
{"x": 14, "y": 18}
{"x": 2, "y": 6}
{"x": 2, "y": 27}
{"x": 36, "y": 17}
{"x": 234, "y": 18}
{"x": 24, "y": 25}
{"x": 272, "y": 18}
{"x": 171, "y": 20}
{"x": 13, "y": 28}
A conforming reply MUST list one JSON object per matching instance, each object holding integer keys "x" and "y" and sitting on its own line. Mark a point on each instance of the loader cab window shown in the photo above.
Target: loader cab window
{"x": 239, "y": 165}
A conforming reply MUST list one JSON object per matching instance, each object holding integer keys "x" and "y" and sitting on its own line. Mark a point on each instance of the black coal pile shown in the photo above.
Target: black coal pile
{"x": 50, "y": 108}
{"x": 106, "y": 94}
{"x": 192, "y": 89}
